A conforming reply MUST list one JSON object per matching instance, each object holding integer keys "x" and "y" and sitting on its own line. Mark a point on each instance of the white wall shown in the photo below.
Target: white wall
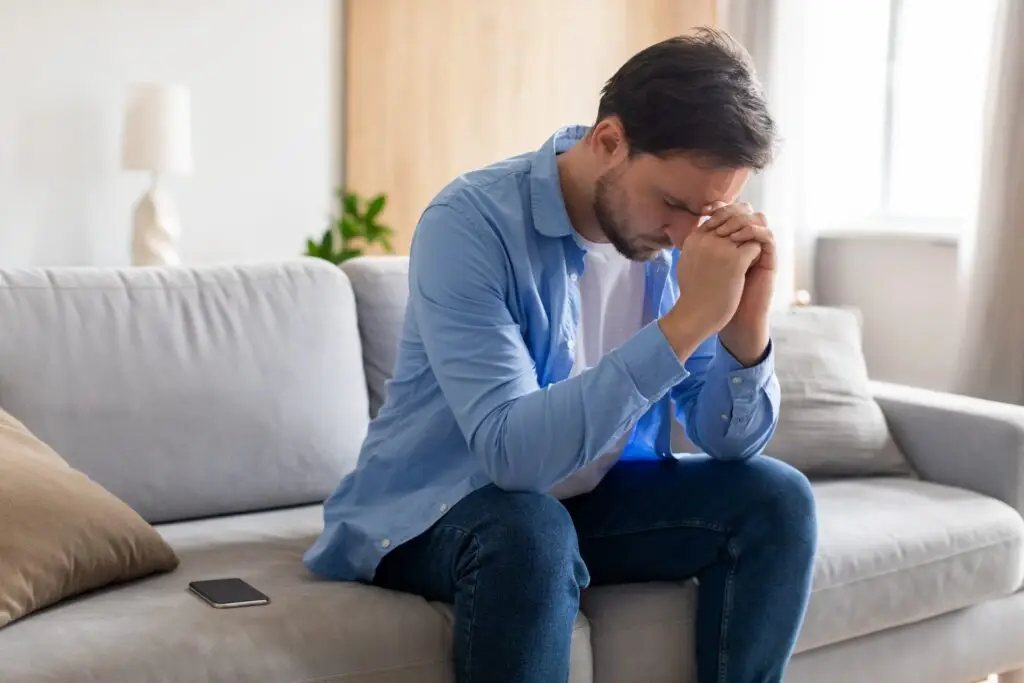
{"x": 265, "y": 77}
{"x": 907, "y": 290}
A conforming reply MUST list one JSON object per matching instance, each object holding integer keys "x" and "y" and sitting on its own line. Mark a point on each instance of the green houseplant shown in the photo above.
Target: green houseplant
{"x": 354, "y": 231}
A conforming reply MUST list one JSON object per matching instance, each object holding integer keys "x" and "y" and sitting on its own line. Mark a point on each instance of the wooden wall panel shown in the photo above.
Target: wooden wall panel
{"x": 438, "y": 87}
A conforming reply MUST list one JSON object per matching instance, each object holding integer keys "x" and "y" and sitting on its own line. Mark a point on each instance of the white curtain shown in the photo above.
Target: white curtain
{"x": 991, "y": 363}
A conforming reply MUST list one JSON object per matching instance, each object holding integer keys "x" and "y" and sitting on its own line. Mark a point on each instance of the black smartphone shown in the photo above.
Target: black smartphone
{"x": 223, "y": 593}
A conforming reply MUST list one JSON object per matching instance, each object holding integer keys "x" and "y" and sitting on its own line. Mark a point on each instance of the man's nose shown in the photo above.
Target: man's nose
{"x": 680, "y": 227}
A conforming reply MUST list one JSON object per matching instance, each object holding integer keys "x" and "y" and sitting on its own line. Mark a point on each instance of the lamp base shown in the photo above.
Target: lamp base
{"x": 155, "y": 229}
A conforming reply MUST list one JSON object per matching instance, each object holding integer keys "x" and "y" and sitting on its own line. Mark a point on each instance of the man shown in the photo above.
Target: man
{"x": 565, "y": 306}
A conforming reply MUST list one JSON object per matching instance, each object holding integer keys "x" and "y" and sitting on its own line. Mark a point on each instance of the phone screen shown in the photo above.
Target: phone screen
{"x": 228, "y": 592}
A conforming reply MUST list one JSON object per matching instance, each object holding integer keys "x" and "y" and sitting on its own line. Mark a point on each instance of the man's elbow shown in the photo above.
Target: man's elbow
{"x": 504, "y": 474}
{"x": 733, "y": 449}
{"x": 517, "y": 483}
{"x": 502, "y": 467}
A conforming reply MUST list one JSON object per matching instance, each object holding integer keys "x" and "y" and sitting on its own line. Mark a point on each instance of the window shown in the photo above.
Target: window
{"x": 891, "y": 113}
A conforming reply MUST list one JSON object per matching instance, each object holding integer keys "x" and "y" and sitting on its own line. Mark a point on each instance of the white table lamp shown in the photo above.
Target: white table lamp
{"x": 157, "y": 139}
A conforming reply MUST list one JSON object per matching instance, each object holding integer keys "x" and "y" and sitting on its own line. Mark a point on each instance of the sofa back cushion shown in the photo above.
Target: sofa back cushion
{"x": 193, "y": 391}
{"x": 381, "y": 286}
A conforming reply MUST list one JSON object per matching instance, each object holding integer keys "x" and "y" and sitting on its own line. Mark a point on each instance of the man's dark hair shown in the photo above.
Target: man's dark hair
{"x": 696, "y": 93}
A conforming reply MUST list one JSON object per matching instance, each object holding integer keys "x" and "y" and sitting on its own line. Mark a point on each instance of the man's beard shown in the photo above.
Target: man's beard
{"x": 613, "y": 224}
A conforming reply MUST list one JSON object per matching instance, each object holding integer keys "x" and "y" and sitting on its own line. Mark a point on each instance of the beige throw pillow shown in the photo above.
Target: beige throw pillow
{"x": 62, "y": 534}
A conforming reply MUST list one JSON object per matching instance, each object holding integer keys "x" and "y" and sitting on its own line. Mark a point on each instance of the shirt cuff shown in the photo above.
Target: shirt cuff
{"x": 743, "y": 381}
{"x": 651, "y": 362}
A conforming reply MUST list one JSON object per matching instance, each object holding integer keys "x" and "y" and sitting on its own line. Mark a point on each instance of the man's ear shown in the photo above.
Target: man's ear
{"x": 608, "y": 139}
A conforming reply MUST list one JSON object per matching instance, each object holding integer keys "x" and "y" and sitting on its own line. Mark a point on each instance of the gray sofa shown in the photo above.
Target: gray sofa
{"x": 224, "y": 403}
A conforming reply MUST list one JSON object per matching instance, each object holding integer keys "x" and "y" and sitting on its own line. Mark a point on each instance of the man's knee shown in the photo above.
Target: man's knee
{"x": 784, "y": 498}
{"x": 534, "y": 533}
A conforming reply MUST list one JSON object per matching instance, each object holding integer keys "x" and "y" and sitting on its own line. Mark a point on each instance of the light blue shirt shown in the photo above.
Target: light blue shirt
{"x": 481, "y": 390}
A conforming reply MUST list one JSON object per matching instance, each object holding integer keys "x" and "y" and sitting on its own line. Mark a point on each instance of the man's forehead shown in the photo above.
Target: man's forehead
{"x": 698, "y": 185}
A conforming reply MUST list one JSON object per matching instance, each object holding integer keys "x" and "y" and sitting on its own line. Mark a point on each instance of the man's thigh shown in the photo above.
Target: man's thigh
{"x": 423, "y": 564}
{"x": 666, "y": 519}
{"x": 513, "y": 529}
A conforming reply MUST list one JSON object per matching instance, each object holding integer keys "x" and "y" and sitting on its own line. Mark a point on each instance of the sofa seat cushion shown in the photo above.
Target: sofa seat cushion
{"x": 313, "y": 630}
{"x": 896, "y": 551}
{"x": 890, "y": 552}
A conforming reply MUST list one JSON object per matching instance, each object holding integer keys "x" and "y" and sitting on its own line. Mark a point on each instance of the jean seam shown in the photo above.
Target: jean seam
{"x": 471, "y": 599}
{"x": 685, "y": 524}
{"x": 723, "y": 650}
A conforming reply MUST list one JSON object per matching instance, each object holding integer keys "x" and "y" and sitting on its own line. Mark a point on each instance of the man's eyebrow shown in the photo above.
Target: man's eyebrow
{"x": 679, "y": 203}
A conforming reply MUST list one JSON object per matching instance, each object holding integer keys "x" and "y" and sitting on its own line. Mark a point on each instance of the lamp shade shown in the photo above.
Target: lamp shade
{"x": 157, "y": 129}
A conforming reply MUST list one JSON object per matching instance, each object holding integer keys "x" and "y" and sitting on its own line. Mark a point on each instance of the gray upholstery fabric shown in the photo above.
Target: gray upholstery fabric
{"x": 957, "y": 647}
{"x": 642, "y": 632}
{"x": 381, "y": 286}
{"x": 958, "y": 440}
{"x": 313, "y": 630}
{"x": 830, "y": 424}
{"x": 891, "y": 552}
{"x": 190, "y": 391}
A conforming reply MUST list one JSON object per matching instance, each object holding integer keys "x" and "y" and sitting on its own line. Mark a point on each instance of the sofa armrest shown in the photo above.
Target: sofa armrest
{"x": 958, "y": 440}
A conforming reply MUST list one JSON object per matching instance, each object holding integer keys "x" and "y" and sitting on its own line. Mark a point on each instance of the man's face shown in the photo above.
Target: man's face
{"x": 646, "y": 203}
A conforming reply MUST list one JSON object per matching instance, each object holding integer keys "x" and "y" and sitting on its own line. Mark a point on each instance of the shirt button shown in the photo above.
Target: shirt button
{"x": 574, "y": 277}
{"x": 737, "y": 380}
{"x": 386, "y": 543}
{"x": 725, "y": 418}
{"x": 571, "y": 344}
{"x": 444, "y": 507}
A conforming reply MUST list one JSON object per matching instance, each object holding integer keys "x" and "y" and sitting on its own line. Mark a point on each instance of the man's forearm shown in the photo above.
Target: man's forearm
{"x": 746, "y": 341}
{"x": 683, "y": 332}
{"x": 539, "y": 437}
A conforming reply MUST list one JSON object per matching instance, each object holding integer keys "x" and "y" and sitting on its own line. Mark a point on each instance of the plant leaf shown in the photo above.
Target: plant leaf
{"x": 375, "y": 207}
{"x": 351, "y": 204}
{"x": 349, "y": 229}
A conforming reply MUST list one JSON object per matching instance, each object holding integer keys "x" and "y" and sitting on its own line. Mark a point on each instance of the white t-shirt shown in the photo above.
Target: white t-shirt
{"x": 611, "y": 311}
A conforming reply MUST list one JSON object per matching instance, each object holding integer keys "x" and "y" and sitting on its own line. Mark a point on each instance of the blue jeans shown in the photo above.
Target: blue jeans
{"x": 513, "y": 564}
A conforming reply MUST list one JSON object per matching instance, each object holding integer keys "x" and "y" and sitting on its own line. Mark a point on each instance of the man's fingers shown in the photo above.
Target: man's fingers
{"x": 731, "y": 225}
{"x": 749, "y": 232}
{"x": 709, "y": 209}
{"x": 720, "y": 217}
{"x": 725, "y": 213}
{"x": 736, "y": 222}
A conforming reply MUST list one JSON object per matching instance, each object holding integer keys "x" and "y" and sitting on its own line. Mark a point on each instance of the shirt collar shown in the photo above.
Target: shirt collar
{"x": 550, "y": 217}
